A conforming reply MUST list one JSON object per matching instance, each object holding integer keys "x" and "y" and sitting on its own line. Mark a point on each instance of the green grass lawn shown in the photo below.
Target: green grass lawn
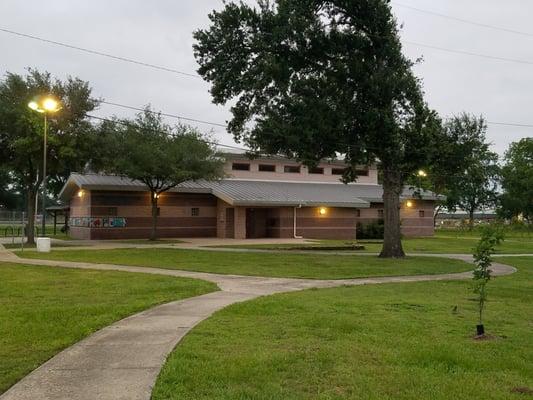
{"x": 384, "y": 342}
{"x": 314, "y": 266}
{"x": 45, "y": 309}
{"x": 446, "y": 242}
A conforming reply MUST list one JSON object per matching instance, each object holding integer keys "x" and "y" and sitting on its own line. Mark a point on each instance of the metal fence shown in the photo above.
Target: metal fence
{"x": 8, "y": 217}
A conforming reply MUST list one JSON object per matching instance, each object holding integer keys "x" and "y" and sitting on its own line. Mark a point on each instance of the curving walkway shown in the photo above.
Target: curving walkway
{"x": 123, "y": 360}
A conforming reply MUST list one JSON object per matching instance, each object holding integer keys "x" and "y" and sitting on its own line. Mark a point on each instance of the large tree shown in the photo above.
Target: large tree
{"x": 315, "y": 79}
{"x": 159, "y": 155}
{"x": 462, "y": 139}
{"x": 21, "y": 132}
{"x": 517, "y": 181}
{"x": 475, "y": 186}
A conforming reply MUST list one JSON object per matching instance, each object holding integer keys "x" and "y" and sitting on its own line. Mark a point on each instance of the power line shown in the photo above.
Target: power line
{"x": 126, "y": 123}
{"x": 465, "y": 21}
{"x": 510, "y": 124}
{"x": 191, "y": 75}
{"x": 99, "y": 53}
{"x": 180, "y": 117}
{"x": 468, "y": 53}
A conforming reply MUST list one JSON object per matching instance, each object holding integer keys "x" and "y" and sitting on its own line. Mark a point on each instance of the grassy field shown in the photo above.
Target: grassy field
{"x": 384, "y": 342}
{"x": 314, "y": 266}
{"x": 444, "y": 242}
{"x": 46, "y": 309}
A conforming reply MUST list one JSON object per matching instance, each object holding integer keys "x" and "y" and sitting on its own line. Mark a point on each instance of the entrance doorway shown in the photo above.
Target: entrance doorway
{"x": 256, "y": 223}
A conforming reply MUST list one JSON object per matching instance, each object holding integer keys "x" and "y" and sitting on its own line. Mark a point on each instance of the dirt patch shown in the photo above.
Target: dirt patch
{"x": 522, "y": 390}
{"x": 487, "y": 337}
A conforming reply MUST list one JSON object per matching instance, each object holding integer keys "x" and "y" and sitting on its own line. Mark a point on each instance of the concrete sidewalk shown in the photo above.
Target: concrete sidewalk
{"x": 123, "y": 360}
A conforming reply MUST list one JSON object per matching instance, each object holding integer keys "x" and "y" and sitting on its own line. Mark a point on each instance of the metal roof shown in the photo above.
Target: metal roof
{"x": 252, "y": 193}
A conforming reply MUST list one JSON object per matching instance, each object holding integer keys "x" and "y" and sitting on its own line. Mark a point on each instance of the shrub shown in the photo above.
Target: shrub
{"x": 371, "y": 230}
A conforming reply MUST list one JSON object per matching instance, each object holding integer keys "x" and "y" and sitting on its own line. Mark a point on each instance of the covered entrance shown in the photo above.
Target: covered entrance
{"x": 260, "y": 222}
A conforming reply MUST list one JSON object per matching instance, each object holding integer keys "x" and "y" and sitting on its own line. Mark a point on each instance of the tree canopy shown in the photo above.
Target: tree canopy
{"x": 70, "y": 143}
{"x": 517, "y": 180}
{"x": 159, "y": 155}
{"x": 313, "y": 79}
{"x": 475, "y": 185}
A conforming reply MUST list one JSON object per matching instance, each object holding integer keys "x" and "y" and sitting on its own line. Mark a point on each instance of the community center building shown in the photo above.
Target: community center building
{"x": 270, "y": 197}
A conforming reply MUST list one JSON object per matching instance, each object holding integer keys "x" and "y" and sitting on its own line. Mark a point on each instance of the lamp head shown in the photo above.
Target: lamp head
{"x": 45, "y": 104}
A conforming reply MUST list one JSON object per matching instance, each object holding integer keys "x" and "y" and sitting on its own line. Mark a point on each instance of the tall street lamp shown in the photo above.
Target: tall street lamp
{"x": 44, "y": 105}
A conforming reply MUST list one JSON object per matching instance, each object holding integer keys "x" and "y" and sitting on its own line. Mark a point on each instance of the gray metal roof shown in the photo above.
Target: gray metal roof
{"x": 252, "y": 193}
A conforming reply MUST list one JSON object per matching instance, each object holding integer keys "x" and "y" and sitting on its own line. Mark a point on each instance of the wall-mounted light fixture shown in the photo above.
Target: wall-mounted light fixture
{"x": 322, "y": 210}
{"x": 409, "y": 203}
{"x": 80, "y": 193}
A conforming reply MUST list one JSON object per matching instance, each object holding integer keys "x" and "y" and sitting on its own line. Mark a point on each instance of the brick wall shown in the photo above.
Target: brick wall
{"x": 175, "y": 219}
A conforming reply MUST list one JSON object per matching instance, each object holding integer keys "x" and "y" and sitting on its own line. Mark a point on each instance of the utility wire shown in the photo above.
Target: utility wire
{"x": 468, "y": 53}
{"x": 196, "y": 76}
{"x": 99, "y": 53}
{"x": 191, "y": 75}
{"x": 126, "y": 123}
{"x": 164, "y": 114}
{"x": 465, "y": 21}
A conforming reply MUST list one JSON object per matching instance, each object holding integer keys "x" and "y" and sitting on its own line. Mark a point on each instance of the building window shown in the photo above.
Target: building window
{"x": 240, "y": 167}
{"x": 361, "y": 172}
{"x": 380, "y": 214}
{"x": 357, "y": 213}
{"x": 337, "y": 171}
{"x": 195, "y": 211}
{"x": 316, "y": 170}
{"x": 267, "y": 168}
{"x": 112, "y": 212}
{"x": 421, "y": 214}
{"x": 291, "y": 169}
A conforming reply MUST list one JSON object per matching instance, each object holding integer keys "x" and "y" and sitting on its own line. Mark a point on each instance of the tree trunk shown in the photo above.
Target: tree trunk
{"x": 153, "y": 233}
{"x": 471, "y": 219}
{"x": 436, "y": 214}
{"x": 392, "y": 188}
{"x": 30, "y": 208}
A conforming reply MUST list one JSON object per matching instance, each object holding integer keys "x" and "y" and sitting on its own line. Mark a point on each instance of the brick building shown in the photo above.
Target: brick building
{"x": 265, "y": 197}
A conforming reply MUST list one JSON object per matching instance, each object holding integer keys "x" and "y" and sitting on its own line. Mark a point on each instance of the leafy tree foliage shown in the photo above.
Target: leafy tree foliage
{"x": 475, "y": 185}
{"x": 70, "y": 143}
{"x": 462, "y": 139}
{"x": 517, "y": 181}
{"x": 313, "y": 79}
{"x": 158, "y": 155}
{"x": 10, "y": 198}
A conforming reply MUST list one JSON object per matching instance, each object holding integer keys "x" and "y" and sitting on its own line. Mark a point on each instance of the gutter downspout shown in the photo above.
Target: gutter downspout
{"x": 294, "y": 223}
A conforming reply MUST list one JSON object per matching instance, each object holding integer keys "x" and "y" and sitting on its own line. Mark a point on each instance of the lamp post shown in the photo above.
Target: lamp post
{"x": 44, "y": 105}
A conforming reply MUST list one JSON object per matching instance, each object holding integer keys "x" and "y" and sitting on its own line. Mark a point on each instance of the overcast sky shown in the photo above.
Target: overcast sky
{"x": 160, "y": 32}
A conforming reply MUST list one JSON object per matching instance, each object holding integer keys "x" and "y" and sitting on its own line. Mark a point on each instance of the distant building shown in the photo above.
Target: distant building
{"x": 264, "y": 197}
{"x": 460, "y": 217}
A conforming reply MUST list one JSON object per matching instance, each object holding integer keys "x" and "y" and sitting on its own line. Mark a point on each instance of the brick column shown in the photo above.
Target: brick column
{"x": 240, "y": 222}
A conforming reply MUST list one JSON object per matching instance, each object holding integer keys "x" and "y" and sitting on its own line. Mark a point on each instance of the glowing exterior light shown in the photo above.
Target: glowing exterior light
{"x": 422, "y": 173}
{"x": 156, "y": 196}
{"x": 80, "y": 193}
{"x": 50, "y": 104}
{"x": 33, "y": 105}
{"x": 322, "y": 211}
{"x": 409, "y": 203}
{"x": 45, "y": 105}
